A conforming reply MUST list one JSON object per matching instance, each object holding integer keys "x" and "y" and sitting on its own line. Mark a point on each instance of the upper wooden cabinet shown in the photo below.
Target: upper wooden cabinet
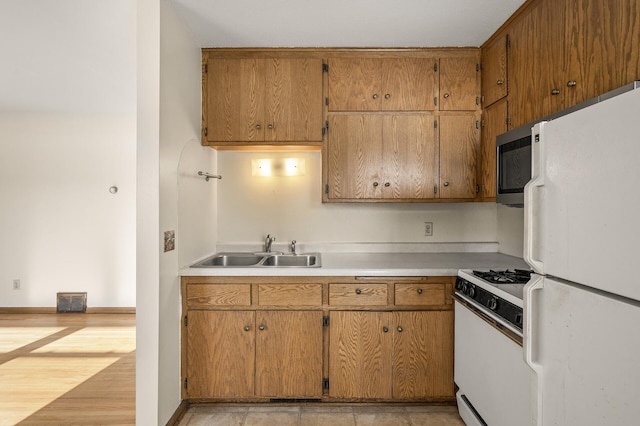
{"x": 494, "y": 71}
{"x": 459, "y": 83}
{"x": 413, "y": 156}
{"x": 261, "y": 100}
{"x": 375, "y": 84}
{"x": 563, "y": 52}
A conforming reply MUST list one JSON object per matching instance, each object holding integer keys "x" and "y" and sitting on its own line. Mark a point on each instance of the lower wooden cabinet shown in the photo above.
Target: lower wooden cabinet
{"x": 398, "y": 355}
{"x": 325, "y": 338}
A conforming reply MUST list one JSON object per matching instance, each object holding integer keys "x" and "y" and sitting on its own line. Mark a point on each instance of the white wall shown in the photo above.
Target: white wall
{"x": 291, "y": 208}
{"x": 62, "y": 230}
{"x": 510, "y": 230}
{"x": 187, "y": 202}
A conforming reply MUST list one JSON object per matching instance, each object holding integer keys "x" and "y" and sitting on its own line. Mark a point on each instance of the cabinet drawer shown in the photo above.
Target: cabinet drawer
{"x": 358, "y": 294}
{"x": 290, "y": 295}
{"x": 420, "y": 294}
{"x": 206, "y": 295}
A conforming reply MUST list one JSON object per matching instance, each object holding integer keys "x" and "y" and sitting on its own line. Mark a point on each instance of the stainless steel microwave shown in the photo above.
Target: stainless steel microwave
{"x": 513, "y": 165}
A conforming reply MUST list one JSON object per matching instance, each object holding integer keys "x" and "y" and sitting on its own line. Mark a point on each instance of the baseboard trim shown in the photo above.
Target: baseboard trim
{"x": 179, "y": 413}
{"x": 44, "y": 310}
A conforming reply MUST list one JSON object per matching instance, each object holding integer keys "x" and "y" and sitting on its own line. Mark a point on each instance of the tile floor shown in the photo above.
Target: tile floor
{"x": 316, "y": 415}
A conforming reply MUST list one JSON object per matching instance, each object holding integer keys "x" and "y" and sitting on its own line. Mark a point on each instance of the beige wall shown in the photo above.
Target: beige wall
{"x": 510, "y": 230}
{"x": 291, "y": 208}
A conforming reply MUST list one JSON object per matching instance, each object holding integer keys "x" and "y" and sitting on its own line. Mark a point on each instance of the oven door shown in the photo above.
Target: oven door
{"x": 490, "y": 371}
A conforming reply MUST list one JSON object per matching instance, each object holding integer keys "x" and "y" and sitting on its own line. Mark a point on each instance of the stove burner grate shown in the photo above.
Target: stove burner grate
{"x": 516, "y": 276}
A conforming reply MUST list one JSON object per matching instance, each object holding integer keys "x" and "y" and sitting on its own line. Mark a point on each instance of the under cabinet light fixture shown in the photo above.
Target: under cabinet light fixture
{"x": 278, "y": 167}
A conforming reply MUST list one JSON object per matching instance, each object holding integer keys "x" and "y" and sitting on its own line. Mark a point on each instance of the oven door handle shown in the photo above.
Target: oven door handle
{"x": 530, "y": 337}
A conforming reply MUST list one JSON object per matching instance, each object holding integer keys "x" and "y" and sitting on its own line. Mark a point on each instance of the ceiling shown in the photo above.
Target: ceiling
{"x": 80, "y": 55}
{"x": 344, "y": 23}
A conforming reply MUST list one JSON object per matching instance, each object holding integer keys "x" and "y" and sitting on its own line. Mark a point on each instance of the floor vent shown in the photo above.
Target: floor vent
{"x": 71, "y": 302}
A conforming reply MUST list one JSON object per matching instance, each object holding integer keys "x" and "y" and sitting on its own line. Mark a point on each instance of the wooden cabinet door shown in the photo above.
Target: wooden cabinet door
{"x": 602, "y": 47}
{"x": 360, "y": 354}
{"x": 494, "y": 71}
{"x": 459, "y": 144}
{"x": 220, "y": 354}
{"x": 289, "y": 354}
{"x": 459, "y": 85}
{"x": 235, "y": 100}
{"x": 423, "y": 354}
{"x": 354, "y": 156}
{"x": 293, "y": 100}
{"x": 408, "y": 84}
{"x": 494, "y": 123}
{"x": 410, "y": 156}
{"x": 354, "y": 84}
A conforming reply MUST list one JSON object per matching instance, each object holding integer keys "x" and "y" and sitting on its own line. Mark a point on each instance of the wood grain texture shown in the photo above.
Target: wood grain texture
{"x": 459, "y": 84}
{"x": 410, "y": 156}
{"x": 423, "y": 354}
{"x": 293, "y": 100}
{"x": 354, "y": 84}
{"x": 459, "y": 149}
{"x": 67, "y": 369}
{"x": 420, "y": 294}
{"x": 289, "y": 354}
{"x": 215, "y": 369}
{"x": 205, "y": 295}
{"x": 235, "y": 100}
{"x": 408, "y": 84}
{"x": 354, "y": 146}
{"x": 290, "y": 294}
{"x": 494, "y": 71}
{"x": 360, "y": 354}
{"x": 494, "y": 123}
{"x": 358, "y": 294}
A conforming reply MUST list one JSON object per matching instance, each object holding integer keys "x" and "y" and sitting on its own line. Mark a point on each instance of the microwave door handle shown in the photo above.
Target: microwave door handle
{"x": 531, "y": 210}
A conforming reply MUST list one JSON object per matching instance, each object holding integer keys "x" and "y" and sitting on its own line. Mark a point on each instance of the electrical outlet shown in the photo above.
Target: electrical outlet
{"x": 16, "y": 284}
{"x": 428, "y": 229}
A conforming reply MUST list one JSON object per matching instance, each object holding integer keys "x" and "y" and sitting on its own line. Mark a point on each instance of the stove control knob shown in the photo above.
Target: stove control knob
{"x": 519, "y": 319}
{"x": 492, "y": 304}
{"x": 471, "y": 291}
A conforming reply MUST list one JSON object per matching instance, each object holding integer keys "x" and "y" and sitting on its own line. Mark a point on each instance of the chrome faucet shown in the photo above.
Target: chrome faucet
{"x": 293, "y": 247}
{"x": 267, "y": 243}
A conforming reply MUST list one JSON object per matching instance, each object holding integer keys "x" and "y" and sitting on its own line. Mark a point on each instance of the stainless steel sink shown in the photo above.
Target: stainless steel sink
{"x": 250, "y": 260}
{"x": 301, "y": 260}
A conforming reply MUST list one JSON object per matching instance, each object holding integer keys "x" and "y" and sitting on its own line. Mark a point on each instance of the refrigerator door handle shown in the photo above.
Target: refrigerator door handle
{"x": 530, "y": 340}
{"x": 530, "y": 210}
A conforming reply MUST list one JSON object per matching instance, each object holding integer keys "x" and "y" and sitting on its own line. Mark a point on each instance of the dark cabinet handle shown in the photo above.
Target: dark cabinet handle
{"x": 270, "y": 126}
{"x": 500, "y": 82}
{"x": 385, "y": 329}
{"x": 387, "y": 96}
{"x": 400, "y": 329}
{"x": 571, "y": 83}
{"x": 555, "y": 92}
{"x": 387, "y": 184}
{"x": 247, "y": 328}
{"x": 261, "y": 327}
{"x": 375, "y": 184}
{"x": 446, "y": 95}
{"x": 375, "y": 96}
{"x": 358, "y": 291}
{"x": 258, "y": 126}
{"x": 419, "y": 291}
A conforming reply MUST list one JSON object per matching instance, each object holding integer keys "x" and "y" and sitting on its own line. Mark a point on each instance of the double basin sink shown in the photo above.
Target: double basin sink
{"x": 260, "y": 260}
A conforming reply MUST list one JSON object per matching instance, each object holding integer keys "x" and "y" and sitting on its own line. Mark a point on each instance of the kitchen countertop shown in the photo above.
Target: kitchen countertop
{"x": 377, "y": 264}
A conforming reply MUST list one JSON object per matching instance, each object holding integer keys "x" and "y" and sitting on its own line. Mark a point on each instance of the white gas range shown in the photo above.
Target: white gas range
{"x": 490, "y": 371}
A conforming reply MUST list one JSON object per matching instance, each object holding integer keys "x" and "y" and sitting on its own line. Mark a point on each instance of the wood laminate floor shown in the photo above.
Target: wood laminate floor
{"x": 67, "y": 369}
{"x": 321, "y": 415}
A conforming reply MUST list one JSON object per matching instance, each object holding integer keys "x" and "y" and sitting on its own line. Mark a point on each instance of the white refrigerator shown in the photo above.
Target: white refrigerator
{"x": 582, "y": 239}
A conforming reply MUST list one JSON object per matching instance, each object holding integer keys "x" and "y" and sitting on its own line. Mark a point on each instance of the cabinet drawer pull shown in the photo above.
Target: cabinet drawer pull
{"x": 555, "y": 92}
{"x": 571, "y": 83}
{"x": 258, "y": 126}
{"x": 445, "y": 184}
{"x": 261, "y": 327}
{"x": 247, "y": 328}
{"x": 387, "y": 96}
{"x": 358, "y": 291}
{"x": 387, "y": 184}
{"x": 385, "y": 329}
{"x": 446, "y": 95}
{"x": 500, "y": 82}
{"x": 419, "y": 291}
{"x": 400, "y": 329}
{"x": 375, "y": 184}
{"x": 270, "y": 126}
{"x": 375, "y": 96}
